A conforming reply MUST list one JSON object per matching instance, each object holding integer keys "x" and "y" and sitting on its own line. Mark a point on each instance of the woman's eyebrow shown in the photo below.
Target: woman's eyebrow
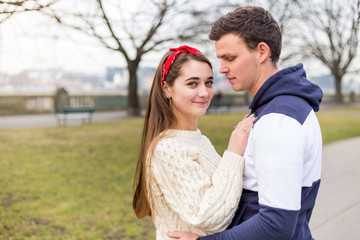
{"x": 192, "y": 78}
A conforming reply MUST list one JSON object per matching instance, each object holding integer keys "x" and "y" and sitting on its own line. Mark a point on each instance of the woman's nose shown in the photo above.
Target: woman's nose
{"x": 204, "y": 91}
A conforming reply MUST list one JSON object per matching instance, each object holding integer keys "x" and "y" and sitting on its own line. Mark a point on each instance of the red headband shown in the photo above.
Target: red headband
{"x": 170, "y": 60}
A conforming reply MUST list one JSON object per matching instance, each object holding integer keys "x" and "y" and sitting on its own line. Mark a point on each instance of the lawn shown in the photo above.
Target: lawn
{"x": 76, "y": 182}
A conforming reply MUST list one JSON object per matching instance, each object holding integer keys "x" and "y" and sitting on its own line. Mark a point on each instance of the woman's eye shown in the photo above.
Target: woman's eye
{"x": 192, "y": 83}
{"x": 209, "y": 83}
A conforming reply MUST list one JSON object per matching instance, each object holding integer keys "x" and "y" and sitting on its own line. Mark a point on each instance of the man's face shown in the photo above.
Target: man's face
{"x": 238, "y": 62}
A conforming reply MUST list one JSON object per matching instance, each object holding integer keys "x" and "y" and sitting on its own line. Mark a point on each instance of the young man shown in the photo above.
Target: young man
{"x": 283, "y": 155}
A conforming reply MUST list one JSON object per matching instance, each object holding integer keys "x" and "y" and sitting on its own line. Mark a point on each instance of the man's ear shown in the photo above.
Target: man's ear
{"x": 264, "y": 51}
{"x": 167, "y": 90}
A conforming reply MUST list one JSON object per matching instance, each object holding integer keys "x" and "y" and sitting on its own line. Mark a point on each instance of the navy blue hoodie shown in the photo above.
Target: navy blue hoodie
{"x": 282, "y": 161}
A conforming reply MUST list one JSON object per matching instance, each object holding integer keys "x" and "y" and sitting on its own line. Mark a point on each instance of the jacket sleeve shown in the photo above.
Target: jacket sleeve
{"x": 200, "y": 200}
{"x": 269, "y": 224}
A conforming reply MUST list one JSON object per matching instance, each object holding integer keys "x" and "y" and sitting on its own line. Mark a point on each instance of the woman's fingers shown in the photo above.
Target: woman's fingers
{"x": 247, "y": 122}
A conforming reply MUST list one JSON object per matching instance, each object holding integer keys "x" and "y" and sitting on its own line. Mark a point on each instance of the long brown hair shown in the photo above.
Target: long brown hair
{"x": 158, "y": 118}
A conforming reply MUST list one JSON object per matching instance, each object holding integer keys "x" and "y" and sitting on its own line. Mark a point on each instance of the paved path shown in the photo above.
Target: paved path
{"x": 337, "y": 211}
{"x": 49, "y": 120}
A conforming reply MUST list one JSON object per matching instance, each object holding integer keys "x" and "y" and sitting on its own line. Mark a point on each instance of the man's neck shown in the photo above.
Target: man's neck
{"x": 265, "y": 73}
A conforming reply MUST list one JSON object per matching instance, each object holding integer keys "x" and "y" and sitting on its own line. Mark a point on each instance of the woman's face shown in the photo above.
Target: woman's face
{"x": 192, "y": 90}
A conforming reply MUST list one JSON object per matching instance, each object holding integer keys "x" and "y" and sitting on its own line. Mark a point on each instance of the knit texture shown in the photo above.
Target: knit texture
{"x": 192, "y": 188}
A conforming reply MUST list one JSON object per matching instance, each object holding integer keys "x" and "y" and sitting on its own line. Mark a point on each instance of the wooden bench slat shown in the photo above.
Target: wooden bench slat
{"x": 82, "y": 113}
{"x": 216, "y": 106}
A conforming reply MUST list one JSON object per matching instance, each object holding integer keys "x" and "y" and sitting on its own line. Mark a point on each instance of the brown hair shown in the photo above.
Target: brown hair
{"x": 253, "y": 25}
{"x": 158, "y": 118}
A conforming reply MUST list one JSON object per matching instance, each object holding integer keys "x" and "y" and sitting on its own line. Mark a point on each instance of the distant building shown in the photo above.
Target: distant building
{"x": 4, "y": 78}
{"x": 327, "y": 84}
{"x": 46, "y": 81}
{"x": 118, "y": 76}
{"x": 354, "y": 86}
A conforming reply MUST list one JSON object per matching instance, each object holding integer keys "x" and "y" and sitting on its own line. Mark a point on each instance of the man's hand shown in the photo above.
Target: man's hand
{"x": 182, "y": 235}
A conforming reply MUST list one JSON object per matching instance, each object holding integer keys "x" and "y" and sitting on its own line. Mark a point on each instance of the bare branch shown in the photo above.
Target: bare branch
{"x": 120, "y": 47}
{"x": 157, "y": 22}
{"x": 157, "y": 43}
{"x": 331, "y": 31}
{"x": 9, "y": 8}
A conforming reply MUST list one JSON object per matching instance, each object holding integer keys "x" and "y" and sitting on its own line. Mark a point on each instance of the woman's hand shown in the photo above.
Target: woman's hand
{"x": 239, "y": 137}
{"x": 182, "y": 235}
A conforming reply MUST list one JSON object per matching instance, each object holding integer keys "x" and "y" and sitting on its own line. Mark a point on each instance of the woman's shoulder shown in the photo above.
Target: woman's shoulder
{"x": 171, "y": 141}
{"x": 179, "y": 136}
{"x": 178, "y": 142}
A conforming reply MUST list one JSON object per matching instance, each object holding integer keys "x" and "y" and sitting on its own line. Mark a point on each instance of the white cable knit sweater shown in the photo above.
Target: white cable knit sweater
{"x": 193, "y": 189}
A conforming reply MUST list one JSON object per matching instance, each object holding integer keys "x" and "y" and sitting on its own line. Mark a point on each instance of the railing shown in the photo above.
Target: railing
{"x": 11, "y": 104}
{"x": 19, "y": 104}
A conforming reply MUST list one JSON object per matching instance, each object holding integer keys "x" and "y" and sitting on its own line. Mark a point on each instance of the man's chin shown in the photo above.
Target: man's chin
{"x": 237, "y": 88}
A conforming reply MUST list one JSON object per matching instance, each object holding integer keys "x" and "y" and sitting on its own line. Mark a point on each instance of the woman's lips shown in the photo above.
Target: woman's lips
{"x": 202, "y": 103}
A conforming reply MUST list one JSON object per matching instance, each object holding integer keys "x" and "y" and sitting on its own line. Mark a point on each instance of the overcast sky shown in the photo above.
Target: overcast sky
{"x": 28, "y": 41}
{"x": 31, "y": 41}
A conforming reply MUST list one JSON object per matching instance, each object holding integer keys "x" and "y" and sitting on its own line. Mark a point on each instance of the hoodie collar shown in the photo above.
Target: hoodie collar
{"x": 289, "y": 81}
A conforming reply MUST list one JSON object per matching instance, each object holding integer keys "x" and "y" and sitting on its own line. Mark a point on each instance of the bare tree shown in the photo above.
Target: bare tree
{"x": 133, "y": 30}
{"x": 10, "y": 7}
{"x": 329, "y": 30}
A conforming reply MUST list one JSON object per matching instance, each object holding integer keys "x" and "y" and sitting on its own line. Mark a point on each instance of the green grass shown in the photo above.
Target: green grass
{"x": 70, "y": 183}
{"x": 76, "y": 182}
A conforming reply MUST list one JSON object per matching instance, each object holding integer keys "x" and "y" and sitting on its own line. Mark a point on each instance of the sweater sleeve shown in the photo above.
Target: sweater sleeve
{"x": 198, "y": 199}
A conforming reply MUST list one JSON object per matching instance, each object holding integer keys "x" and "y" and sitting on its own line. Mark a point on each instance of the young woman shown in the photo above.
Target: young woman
{"x": 180, "y": 179}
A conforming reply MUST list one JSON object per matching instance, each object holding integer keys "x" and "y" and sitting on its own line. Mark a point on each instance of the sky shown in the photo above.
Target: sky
{"x": 29, "y": 41}
{"x": 32, "y": 41}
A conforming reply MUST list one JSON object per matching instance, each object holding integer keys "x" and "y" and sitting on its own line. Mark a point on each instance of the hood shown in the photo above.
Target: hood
{"x": 289, "y": 81}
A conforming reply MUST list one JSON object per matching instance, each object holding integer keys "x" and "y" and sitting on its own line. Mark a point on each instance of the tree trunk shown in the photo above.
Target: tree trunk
{"x": 338, "y": 91}
{"x": 133, "y": 108}
{"x": 247, "y": 98}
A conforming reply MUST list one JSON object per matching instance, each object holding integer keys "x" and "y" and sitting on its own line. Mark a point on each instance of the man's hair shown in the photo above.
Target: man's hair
{"x": 253, "y": 25}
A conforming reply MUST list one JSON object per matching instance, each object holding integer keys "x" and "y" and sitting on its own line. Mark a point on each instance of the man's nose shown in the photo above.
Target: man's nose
{"x": 223, "y": 68}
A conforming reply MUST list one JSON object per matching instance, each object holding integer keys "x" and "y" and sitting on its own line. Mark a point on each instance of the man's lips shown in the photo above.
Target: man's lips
{"x": 231, "y": 79}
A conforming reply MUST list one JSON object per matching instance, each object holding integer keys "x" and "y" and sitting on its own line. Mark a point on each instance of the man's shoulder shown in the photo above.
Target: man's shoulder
{"x": 288, "y": 105}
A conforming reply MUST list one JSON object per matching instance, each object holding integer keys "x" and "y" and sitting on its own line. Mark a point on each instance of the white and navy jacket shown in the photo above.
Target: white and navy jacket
{"x": 282, "y": 161}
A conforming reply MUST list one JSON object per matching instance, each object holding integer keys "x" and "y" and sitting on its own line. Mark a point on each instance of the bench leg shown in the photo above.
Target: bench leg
{"x": 61, "y": 122}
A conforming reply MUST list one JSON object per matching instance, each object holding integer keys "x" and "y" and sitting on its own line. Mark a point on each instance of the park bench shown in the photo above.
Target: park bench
{"x": 220, "y": 106}
{"x": 82, "y": 113}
